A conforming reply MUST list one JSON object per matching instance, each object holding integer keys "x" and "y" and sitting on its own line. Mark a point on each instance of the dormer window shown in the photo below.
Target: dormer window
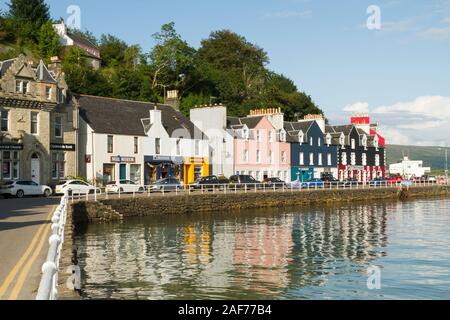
{"x": 22, "y": 86}
{"x": 364, "y": 142}
{"x": 245, "y": 133}
{"x": 301, "y": 137}
{"x": 376, "y": 142}
{"x": 282, "y": 136}
{"x": 342, "y": 141}
{"x": 328, "y": 139}
{"x": 353, "y": 144}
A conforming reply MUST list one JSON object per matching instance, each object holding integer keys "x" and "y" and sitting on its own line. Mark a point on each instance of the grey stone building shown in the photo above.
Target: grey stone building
{"x": 38, "y": 127}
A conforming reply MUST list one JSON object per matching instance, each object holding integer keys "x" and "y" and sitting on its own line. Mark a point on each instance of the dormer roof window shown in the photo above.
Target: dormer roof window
{"x": 364, "y": 141}
{"x": 301, "y": 137}
{"x": 328, "y": 139}
{"x": 282, "y": 135}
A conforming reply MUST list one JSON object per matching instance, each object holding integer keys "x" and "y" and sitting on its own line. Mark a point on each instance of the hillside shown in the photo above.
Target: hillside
{"x": 432, "y": 156}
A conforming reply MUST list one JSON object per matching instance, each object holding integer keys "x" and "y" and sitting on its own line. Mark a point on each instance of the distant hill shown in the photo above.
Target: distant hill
{"x": 431, "y": 156}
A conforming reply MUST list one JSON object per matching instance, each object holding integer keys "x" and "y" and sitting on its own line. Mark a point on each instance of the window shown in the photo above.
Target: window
{"x": 301, "y": 138}
{"x": 320, "y": 159}
{"x": 48, "y": 93}
{"x": 18, "y": 86}
{"x": 178, "y": 147}
{"x": 60, "y": 95}
{"x": 34, "y": 122}
{"x": 58, "y": 127}
{"x": 157, "y": 146}
{"x": 311, "y": 141}
{"x": 22, "y": 86}
{"x": 136, "y": 145}
{"x": 58, "y": 165}
{"x": 197, "y": 147}
{"x": 353, "y": 159}
{"x": 319, "y": 142}
{"x": 311, "y": 159}
{"x": 9, "y": 161}
{"x": 283, "y": 156}
{"x": 344, "y": 159}
{"x": 377, "y": 160}
{"x": 328, "y": 139}
{"x": 329, "y": 162}
{"x": 342, "y": 141}
{"x": 245, "y": 133}
{"x": 258, "y": 156}
{"x": 364, "y": 159}
{"x": 282, "y": 136}
{"x": 353, "y": 144}
{"x": 245, "y": 156}
{"x": 272, "y": 157}
{"x": 302, "y": 158}
{"x": 258, "y": 136}
{"x": 110, "y": 144}
{"x": 4, "y": 121}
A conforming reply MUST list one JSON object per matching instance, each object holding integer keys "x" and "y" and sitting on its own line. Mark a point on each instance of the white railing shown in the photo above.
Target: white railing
{"x": 163, "y": 190}
{"x": 48, "y": 287}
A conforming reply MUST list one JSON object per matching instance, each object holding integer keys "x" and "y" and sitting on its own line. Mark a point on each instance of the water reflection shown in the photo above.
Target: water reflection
{"x": 286, "y": 254}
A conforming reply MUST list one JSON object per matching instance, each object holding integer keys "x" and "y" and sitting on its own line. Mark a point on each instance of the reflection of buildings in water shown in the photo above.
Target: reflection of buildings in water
{"x": 331, "y": 236}
{"x": 262, "y": 252}
{"x": 197, "y": 243}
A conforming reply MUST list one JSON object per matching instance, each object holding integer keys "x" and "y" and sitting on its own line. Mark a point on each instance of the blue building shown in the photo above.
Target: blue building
{"x": 312, "y": 151}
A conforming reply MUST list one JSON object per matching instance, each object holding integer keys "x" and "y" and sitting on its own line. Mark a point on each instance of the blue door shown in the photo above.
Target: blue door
{"x": 123, "y": 172}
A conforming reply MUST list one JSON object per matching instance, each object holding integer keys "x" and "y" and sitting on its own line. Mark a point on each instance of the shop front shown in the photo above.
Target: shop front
{"x": 194, "y": 168}
{"x": 10, "y": 155}
{"x": 362, "y": 173}
{"x": 160, "y": 167}
{"x": 122, "y": 168}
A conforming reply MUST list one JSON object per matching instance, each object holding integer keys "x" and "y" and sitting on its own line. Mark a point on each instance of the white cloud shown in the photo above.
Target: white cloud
{"x": 361, "y": 107}
{"x": 422, "y": 121}
{"x": 445, "y": 20}
{"x": 435, "y": 34}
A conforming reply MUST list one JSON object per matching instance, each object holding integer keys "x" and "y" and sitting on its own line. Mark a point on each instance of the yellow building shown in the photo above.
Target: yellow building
{"x": 194, "y": 168}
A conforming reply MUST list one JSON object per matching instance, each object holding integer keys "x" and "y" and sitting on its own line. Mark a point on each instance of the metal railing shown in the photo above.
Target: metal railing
{"x": 162, "y": 190}
{"x": 48, "y": 287}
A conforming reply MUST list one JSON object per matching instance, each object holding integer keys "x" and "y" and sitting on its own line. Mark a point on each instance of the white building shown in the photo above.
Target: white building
{"x": 138, "y": 141}
{"x": 212, "y": 121}
{"x": 409, "y": 168}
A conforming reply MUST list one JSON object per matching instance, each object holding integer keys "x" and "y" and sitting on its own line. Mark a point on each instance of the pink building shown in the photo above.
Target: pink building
{"x": 260, "y": 147}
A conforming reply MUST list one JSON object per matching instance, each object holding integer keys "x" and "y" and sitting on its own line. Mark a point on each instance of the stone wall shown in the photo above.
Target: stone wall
{"x": 190, "y": 204}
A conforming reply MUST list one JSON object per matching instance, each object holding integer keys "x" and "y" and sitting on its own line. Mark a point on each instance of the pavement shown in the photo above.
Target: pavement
{"x": 24, "y": 233}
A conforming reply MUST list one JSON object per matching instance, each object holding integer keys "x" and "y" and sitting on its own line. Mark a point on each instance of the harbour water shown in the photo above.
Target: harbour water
{"x": 308, "y": 253}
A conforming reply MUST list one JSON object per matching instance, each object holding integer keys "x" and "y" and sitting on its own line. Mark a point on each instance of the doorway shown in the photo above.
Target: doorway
{"x": 123, "y": 172}
{"x": 35, "y": 168}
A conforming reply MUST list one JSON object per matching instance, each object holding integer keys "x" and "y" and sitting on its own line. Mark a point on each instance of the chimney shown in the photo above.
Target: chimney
{"x": 55, "y": 65}
{"x": 172, "y": 99}
{"x": 316, "y": 117}
{"x": 155, "y": 116}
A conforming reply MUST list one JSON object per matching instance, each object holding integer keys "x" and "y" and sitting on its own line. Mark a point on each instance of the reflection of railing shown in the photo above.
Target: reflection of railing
{"x": 49, "y": 281}
{"x": 297, "y": 186}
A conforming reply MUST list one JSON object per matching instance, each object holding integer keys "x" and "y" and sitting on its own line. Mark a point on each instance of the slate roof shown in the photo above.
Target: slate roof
{"x": 4, "y": 66}
{"x": 237, "y": 123}
{"x": 82, "y": 40}
{"x": 116, "y": 116}
{"x": 293, "y": 129}
{"x": 43, "y": 74}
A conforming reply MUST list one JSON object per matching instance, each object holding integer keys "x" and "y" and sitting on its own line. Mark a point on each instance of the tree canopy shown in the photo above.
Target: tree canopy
{"x": 226, "y": 68}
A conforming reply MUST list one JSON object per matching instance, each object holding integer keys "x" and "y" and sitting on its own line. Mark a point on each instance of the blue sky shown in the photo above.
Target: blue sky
{"x": 401, "y": 73}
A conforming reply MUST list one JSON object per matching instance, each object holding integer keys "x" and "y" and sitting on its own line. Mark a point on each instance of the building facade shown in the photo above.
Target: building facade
{"x": 409, "y": 168}
{"x": 212, "y": 120}
{"x": 38, "y": 131}
{"x": 138, "y": 141}
{"x": 260, "y": 150}
{"x": 361, "y": 155}
{"x": 68, "y": 39}
{"x": 312, "y": 150}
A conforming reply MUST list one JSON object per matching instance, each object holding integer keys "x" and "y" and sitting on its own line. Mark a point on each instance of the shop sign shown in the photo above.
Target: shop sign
{"x": 12, "y": 147}
{"x": 62, "y": 147}
{"x": 120, "y": 159}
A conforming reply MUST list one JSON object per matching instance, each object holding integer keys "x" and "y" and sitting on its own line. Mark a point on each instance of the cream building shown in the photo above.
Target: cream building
{"x": 37, "y": 127}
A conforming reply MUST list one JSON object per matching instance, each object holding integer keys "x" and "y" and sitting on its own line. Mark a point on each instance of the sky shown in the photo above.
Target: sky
{"x": 399, "y": 73}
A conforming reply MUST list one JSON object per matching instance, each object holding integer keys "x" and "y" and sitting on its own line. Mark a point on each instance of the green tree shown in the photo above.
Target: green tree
{"x": 113, "y": 50}
{"x": 171, "y": 58}
{"x": 48, "y": 41}
{"x": 28, "y": 17}
{"x": 235, "y": 66}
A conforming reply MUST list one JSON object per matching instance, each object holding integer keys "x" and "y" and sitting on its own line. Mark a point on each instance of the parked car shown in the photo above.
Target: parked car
{"x": 329, "y": 179}
{"x": 350, "y": 182}
{"x": 378, "y": 182}
{"x": 209, "y": 183}
{"x": 274, "y": 182}
{"x": 394, "y": 180}
{"x": 242, "y": 180}
{"x": 124, "y": 186}
{"x": 21, "y": 188}
{"x": 75, "y": 187}
{"x": 166, "y": 185}
{"x": 312, "y": 183}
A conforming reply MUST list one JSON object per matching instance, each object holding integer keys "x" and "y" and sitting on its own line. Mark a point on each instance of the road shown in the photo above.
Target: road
{"x": 24, "y": 233}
